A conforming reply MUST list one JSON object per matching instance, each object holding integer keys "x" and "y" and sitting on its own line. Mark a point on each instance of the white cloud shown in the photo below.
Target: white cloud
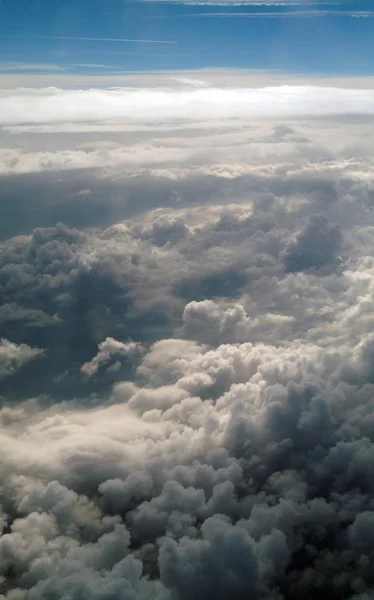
{"x": 191, "y": 128}
{"x": 107, "y": 349}
{"x": 53, "y": 105}
{"x": 308, "y": 147}
{"x": 14, "y": 356}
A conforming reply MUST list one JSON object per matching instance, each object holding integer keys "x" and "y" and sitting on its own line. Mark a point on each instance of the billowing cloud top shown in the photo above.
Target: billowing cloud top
{"x": 186, "y": 369}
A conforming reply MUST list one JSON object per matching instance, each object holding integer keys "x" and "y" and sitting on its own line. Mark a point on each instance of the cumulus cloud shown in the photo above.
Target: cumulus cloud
{"x": 213, "y": 323}
{"x": 107, "y": 349}
{"x": 201, "y": 422}
{"x": 13, "y": 356}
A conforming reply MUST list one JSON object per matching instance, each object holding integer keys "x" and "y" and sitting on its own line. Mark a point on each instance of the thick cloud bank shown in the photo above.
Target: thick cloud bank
{"x": 54, "y": 105}
{"x": 187, "y": 369}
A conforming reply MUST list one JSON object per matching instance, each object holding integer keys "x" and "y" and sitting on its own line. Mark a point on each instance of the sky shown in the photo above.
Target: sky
{"x": 97, "y": 36}
{"x": 186, "y": 300}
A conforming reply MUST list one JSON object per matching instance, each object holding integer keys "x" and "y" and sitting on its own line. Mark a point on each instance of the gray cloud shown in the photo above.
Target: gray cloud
{"x": 315, "y": 246}
{"x": 200, "y": 422}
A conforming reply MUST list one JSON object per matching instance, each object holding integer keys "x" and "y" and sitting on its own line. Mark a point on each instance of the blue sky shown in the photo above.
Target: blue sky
{"x": 302, "y": 37}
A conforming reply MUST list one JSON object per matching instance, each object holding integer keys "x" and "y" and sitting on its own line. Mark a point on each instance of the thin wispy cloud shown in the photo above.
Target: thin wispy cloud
{"x": 255, "y": 3}
{"x": 271, "y": 15}
{"x": 94, "y": 66}
{"x": 23, "y": 66}
{"x": 96, "y": 39}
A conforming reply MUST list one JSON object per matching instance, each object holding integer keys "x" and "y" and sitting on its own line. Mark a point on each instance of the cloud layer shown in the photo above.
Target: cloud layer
{"x": 187, "y": 364}
{"x": 53, "y": 105}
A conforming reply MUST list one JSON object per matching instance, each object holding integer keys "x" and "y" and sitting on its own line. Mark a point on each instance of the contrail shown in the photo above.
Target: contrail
{"x": 92, "y": 39}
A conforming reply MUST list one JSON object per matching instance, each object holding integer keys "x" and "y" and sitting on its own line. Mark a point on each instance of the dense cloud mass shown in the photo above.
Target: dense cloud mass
{"x": 54, "y": 105}
{"x": 187, "y": 362}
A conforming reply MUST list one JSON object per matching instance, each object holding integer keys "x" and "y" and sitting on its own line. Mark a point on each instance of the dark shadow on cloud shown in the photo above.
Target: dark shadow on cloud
{"x": 228, "y": 283}
{"x": 315, "y": 246}
{"x": 53, "y": 297}
{"x": 43, "y": 199}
